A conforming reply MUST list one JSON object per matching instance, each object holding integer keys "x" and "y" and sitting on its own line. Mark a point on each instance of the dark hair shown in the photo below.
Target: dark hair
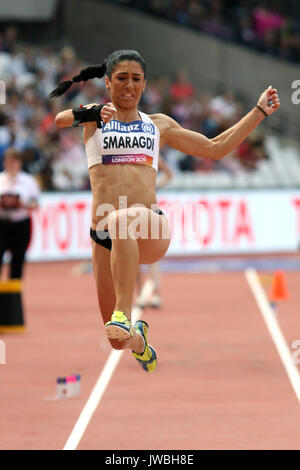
{"x": 98, "y": 71}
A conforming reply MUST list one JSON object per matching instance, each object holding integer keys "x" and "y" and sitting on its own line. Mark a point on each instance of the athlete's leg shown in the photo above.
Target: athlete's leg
{"x": 129, "y": 249}
{"x": 106, "y": 294}
{"x": 131, "y": 246}
{"x": 124, "y": 261}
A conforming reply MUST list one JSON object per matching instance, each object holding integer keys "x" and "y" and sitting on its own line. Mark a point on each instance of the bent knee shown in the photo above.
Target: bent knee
{"x": 121, "y": 219}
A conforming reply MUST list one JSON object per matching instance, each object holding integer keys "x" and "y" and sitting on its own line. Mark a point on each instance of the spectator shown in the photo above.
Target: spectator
{"x": 70, "y": 169}
{"x": 214, "y": 23}
{"x": 245, "y": 32}
{"x": 251, "y": 152}
{"x": 19, "y": 194}
{"x": 7, "y": 136}
{"x": 10, "y": 39}
{"x": 265, "y": 19}
{"x": 223, "y": 106}
{"x": 257, "y": 24}
{"x": 27, "y": 120}
{"x": 182, "y": 88}
{"x": 196, "y": 13}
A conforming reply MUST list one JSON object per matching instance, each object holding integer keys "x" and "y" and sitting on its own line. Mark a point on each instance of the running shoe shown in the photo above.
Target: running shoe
{"x": 147, "y": 359}
{"x": 119, "y": 327}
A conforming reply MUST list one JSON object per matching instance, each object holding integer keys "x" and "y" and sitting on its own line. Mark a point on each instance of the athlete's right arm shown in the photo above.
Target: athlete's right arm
{"x": 64, "y": 118}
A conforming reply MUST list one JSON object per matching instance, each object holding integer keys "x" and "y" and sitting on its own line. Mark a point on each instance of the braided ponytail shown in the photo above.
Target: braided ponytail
{"x": 98, "y": 71}
{"x": 93, "y": 71}
{"x": 61, "y": 89}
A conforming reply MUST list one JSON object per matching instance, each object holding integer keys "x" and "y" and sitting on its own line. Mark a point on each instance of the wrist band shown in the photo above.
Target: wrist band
{"x": 82, "y": 115}
{"x": 263, "y": 111}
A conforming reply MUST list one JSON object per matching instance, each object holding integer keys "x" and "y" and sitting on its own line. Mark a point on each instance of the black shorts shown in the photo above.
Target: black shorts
{"x": 102, "y": 237}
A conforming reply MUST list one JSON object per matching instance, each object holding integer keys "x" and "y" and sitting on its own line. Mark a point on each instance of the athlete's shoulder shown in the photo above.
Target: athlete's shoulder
{"x": 158, "y": 116}
{"x": 162, "y": 118}
{"x": 162, "y": 121}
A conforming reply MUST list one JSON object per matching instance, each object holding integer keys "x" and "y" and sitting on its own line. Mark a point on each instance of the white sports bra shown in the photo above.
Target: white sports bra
{"x": 119, "y": 143}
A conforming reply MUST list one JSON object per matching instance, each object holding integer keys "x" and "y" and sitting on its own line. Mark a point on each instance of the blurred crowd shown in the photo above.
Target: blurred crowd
{"x": 57, "y": 157}
{"x": 268, "y": 26}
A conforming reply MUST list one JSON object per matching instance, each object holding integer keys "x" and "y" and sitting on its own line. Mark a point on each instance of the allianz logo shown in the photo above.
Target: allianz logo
{"x": 137, "y": 126}
{"x": 147, "y": 127}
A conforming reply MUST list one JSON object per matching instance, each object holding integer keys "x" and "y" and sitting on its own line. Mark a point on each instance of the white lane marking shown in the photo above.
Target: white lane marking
{"x": 274, "y": 330}
{"x": 93, "y": 400}
{"x": 102, "y": 382}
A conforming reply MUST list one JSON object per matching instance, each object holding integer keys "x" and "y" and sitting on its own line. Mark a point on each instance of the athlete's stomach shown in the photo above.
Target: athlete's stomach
{"x": 117, "y": 187}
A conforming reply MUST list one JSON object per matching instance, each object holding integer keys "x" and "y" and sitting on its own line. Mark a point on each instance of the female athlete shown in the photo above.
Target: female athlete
{"x": 122, "y": 146}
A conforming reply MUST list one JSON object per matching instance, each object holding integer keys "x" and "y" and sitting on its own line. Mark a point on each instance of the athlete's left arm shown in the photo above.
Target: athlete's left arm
{"x": 196, "y": 144}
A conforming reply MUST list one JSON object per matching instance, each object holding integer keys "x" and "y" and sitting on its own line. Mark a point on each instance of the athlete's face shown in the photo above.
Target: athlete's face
{"x": 127, "y": 84}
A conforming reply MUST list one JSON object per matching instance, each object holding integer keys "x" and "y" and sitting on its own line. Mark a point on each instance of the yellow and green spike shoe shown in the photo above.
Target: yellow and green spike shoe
{"x": 119, "y": 327}
{"x": 147, "y": 359}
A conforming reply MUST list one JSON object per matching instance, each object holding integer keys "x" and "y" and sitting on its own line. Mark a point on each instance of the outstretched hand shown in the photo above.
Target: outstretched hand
{"x": 269, "y": 100}
{"x": 108, "y": 112}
